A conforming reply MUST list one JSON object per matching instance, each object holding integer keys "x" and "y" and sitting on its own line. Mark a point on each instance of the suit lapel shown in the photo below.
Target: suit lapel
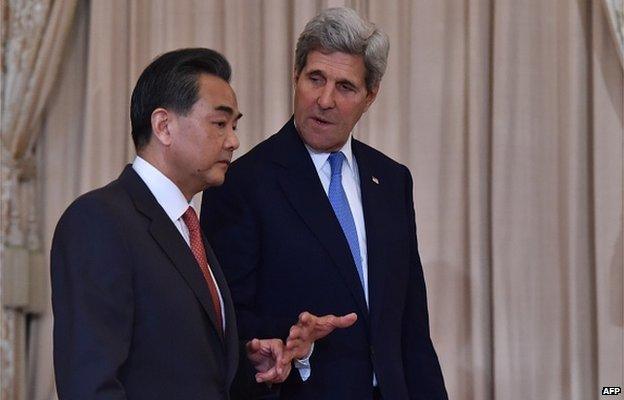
{"x": 304, "y": 191}
{"x": 373, "y": 201}
{"x": 231, "y": 332}
{"x": 169, "y": 239}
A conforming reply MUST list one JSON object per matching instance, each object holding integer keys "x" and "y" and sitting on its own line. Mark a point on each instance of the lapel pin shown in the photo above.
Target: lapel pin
{"x": 375, "y": 180}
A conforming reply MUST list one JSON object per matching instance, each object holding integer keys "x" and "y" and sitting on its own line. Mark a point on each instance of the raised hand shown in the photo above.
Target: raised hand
{"x": 310, "y": 328}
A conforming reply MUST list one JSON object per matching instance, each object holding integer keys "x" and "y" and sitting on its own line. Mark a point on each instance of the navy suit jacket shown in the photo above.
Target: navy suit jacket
{"x": 283, "y": 252}
{"x": 133, "y": 314}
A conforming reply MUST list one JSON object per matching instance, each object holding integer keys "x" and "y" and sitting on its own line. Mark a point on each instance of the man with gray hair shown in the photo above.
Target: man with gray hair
{"x": 313, "y": 219}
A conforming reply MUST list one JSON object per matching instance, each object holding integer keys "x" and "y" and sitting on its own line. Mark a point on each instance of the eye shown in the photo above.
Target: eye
{"x": 220, "y": 124}
{"x": 346, "y": 87}
{"x": 315, "y": 78}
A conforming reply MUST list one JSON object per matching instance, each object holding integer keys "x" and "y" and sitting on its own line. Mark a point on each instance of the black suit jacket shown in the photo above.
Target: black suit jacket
{"x": 133, "y": 315}
{"x": 283, "y": 252}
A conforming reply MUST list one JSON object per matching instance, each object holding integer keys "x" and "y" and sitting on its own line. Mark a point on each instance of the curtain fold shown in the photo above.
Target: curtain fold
{"x": 606, "y": 203}
{"x": 614, "y": 10}
{"x": 32, "y": 46}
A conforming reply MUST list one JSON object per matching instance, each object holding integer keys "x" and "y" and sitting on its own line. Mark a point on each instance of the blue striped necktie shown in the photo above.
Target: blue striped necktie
{"x": 340, "y": 204}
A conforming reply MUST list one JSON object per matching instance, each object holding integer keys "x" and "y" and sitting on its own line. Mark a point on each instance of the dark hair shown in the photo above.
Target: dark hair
{"x": 171, "y": 81}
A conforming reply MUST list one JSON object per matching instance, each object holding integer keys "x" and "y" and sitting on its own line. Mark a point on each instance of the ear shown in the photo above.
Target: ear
{"x": 295, "y": 76}
{"x": 371, "y": 95}
{"x": 162, "y": 121}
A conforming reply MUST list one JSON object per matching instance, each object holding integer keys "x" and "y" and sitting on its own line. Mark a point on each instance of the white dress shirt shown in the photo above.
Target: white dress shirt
{"x": 171, "y": 199}
{"x": 351, "y": 186}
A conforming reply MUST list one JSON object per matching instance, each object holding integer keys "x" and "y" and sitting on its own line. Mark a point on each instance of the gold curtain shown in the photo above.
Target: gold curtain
{"x": 33, "y": 37}
{"x": 510, "y": 116}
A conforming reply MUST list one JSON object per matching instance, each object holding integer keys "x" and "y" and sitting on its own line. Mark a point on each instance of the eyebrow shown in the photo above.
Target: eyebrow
{"x": 229, "y": 110}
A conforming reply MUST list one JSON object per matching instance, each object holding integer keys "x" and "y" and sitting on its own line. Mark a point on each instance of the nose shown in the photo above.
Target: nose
{"x": 326, "y": 98}
{"x": 232, "y": 143}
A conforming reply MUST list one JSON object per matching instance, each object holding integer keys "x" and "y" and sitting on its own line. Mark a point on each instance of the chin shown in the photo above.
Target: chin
{"x": 325, "y": 146}
{"x": 216, "y": 181}
{"x": 316, "y": 142}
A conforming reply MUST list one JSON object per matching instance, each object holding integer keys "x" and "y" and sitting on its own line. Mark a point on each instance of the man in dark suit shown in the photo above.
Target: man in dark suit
{"x": 141, "y": 306}
{"x": 314, "y": 210}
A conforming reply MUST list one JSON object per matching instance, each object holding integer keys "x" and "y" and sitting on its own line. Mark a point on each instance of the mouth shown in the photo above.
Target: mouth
{"x": 321, "y": 121}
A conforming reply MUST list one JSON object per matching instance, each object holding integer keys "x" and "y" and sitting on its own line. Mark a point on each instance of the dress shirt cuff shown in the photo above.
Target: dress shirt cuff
{"x": 303, "y": 365}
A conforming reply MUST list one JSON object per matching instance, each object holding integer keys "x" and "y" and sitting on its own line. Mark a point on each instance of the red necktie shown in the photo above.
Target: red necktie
{"x": 197, "y": 247}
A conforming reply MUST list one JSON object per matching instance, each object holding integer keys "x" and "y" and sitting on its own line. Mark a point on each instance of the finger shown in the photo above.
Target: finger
{"x": 283, "y": 375}
{"x": 277, "y": 375}
{"x": 332, "y": 322}
{"x": 301, "y": 333}
{"x": 345, "y": 321}
{"x": 267, "y": 376}
{"x": 301, "y": 350}
{"x": 286, "y": 354}
{"x": 285, "y": 358}
{"x": 305, "y": 318}
{"x": 327, "y": 323}
{"x": 293, "y": 343}
{"x": 253, "y": 346}
{"x": 266, "y": 346}
{"x": 277, "y": 348}
{"x": 294, "y": 332}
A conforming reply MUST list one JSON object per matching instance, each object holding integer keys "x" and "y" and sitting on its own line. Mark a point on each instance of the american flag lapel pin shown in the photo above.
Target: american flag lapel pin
{"x": 375, "y": 180}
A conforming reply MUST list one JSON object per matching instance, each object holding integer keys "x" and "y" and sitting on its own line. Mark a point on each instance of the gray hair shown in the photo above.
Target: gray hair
{"x": 342, "y": 29}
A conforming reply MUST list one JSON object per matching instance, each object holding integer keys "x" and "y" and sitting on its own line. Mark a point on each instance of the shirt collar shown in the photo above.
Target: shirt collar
{"x": 167, "y": 194}
{"x": 320, "y": 158}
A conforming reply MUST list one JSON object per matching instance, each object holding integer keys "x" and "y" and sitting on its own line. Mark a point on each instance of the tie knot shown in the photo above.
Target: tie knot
{"x": 190, "y": 219}
{"x": 335, "y": 161}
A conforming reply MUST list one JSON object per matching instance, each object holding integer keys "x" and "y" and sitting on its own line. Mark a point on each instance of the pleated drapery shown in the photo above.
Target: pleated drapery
{"x": 509, "y": 115}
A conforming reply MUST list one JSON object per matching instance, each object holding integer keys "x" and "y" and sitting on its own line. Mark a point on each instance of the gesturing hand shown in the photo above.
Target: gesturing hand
{"x": 269, "y": 359}
{"x": 311, "y": 328}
